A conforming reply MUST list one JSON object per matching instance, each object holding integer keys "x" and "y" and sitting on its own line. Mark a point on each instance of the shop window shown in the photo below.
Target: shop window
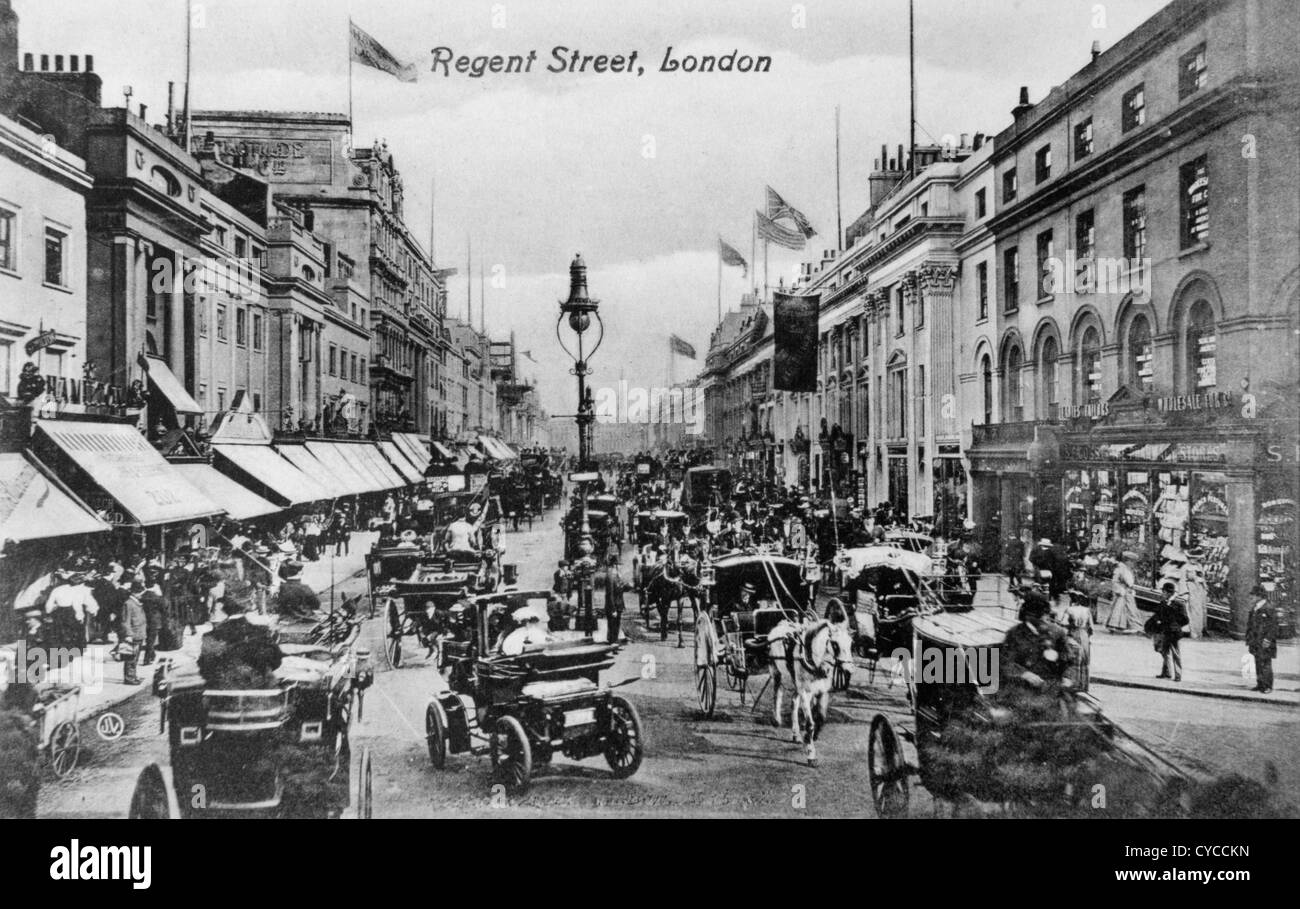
{"x": 1047, "y": 367}
{"x": 1090, "y": 366}
{"x": 1083, "y": 139}
{"x": 1191, "y": 72}
{"x": 1011, "y": 271}
{"x": 8, "y": 236}
{"x": 1012, "y": 411}
{"x": 1208, "y": 532}
{"x": 1140, "y": 362}
{"x": 986, "y": 381}
{"x": 1200, "y": 343}
{"x": 1194, "y": 202}
{"x": 56, "y": 257}
{"x": 1134, "y": 205}
{"x": 1133, "y": 112}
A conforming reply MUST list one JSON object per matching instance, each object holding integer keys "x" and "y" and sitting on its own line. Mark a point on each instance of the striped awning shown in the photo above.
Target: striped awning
{"x": 35, "y": 506}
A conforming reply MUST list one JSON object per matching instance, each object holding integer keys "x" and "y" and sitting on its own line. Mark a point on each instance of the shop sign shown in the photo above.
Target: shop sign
{"x": 1092, "y": 411}
{"x": 1215, "y": 400}
{"x": 41, "y": 341}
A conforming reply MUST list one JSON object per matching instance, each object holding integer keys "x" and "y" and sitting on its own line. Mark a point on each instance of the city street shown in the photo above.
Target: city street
{"x": 734, "y": 764}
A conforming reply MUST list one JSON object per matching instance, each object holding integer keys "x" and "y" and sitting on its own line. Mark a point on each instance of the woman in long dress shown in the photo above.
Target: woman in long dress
{"x": 1124, "y": 617}
{"x": 1197, "y": 594}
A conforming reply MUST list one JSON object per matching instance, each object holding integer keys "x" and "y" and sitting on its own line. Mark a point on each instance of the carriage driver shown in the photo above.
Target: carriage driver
{"x": 462, "y": 537}
{"x": 1033, "y": 657}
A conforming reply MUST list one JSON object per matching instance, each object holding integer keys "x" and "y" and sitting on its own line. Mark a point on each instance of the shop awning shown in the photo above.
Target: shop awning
{"x": 495, "y": 448}
{"x": 442, "y": 451}
{"x": 401, "y": 462}
{"x": 264, "y": 465}
{"x": 33, "y": 506}
{"x": 356, "y": 479}
{"x": 372, "y": 458}
{"x": 240, "y": 502}
{"x": 170, "y": 387}
{"x": 123, "y": 463}
{"x": 413, "y": 448}
{"x": 310, "y": 466}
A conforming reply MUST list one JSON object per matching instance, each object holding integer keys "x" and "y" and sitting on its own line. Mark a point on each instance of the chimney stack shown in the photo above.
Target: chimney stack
{"x": 90, "y": 63}
{"x": 74, "y": 63}
{"x": 1020, "y": 109}
{"x": 979, "y": 142}
{"x": 1096, "y": 50}
{"x": 58, "y": 63}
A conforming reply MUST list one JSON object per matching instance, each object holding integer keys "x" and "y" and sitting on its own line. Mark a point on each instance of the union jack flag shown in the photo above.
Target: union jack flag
{"x": 778, "y": 208}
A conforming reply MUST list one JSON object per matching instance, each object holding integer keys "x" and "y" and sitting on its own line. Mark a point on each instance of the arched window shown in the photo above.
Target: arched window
{"x": 1138, "y": 360}
{"x": 1090, "y": 366}
{"x": 1199, "y": 345}
{"x": 1047, "y": 371}
{"x": 986, "y": 379}
{"x": 163, "y": 179}
{"x": 1011, "y": 401}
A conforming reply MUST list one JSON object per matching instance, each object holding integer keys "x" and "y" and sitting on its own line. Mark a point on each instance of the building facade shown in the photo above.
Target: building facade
{"x": 352, "y": 198}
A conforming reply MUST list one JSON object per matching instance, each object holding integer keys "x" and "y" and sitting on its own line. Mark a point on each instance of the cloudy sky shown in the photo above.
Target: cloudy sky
{"x": 640, "y": 174}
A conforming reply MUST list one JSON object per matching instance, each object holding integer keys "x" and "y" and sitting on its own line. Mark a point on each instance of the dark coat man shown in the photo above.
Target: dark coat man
{"x": 1170, "y": 623}
{"x": 1032, "y": 658}
{"x": 614, "y": 588}
{"x": 1261, "y": 639}
{"x": 155, "y": 613}
{"x": 1013, "y": 558}
{"x": 296, "y": 600}
{"x": 238, "y": 654}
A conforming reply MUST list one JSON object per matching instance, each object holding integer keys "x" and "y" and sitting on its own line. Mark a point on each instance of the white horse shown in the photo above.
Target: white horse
{"x": 807, "y": 654}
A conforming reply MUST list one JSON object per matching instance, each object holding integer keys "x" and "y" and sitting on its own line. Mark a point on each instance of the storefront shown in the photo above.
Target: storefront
{"x": 1208, "y": 488}
{"x": 1015, "y": 483}
{"x": 949, "y": 482}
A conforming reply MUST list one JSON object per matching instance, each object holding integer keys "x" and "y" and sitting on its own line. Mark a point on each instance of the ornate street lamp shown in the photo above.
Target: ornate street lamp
{"x": 579, "y": 309}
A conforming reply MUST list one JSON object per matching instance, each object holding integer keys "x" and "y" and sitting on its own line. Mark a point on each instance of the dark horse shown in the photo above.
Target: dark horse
{"x": 670, "y": 584}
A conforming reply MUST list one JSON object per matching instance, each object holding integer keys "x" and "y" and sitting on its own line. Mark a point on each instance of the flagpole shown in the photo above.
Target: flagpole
{"x": 766, "y": 286}
{"x": 753, "y": 249}
{"x": 189, "y": 26}
{"x": 839, "y": 222}
{"x": 911, "y": 69}
{"x": 719, "y": 279}
{"x": 351, "y": 132}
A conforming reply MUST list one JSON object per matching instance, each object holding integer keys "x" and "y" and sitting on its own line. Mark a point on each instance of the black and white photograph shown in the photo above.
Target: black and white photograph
{"x": 396, "y": 421}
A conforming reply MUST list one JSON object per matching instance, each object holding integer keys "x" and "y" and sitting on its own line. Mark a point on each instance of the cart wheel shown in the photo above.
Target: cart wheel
{"x": 393, "y": 649}
{"x": 887, "y": 771}
{"x": 731, "y": 675}
{"x": 365, "y": 787}
{"x": 624, "y": 741}
{"x": 512, "y": 755}
{"x": 435, "y": 730}
{"x": 154, "y": 797}
{"x": 706, "y": 687}
{"x": 65, "y": 748}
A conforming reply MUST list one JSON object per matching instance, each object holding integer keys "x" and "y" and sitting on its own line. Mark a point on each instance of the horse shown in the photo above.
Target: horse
{"x": 807, "y": 654}
{"x": 668, "y": 585}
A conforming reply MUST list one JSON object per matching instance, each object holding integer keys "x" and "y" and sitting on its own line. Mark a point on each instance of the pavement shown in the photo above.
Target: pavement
{"x": 1212, "y": 665}
{"x": 100, "y": 676}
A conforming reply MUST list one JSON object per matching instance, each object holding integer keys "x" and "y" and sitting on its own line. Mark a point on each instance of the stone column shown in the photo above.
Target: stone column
{"x": 938, "y": 279}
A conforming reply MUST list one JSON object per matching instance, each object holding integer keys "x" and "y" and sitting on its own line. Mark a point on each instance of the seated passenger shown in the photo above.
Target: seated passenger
{"x": 238, "y": 654}
{"x": 461, "y": 538}
{"x": 527, "y": 635}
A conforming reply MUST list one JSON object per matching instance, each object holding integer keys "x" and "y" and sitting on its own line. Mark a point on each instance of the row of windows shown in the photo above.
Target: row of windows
{"x": 1195, "y": 359}
{"x": 249, "y": 327}
{"x": 1193, "y": 229}
{"x": 201, "y": 398}
{"x": 346, "y": 365}
{"x": 1133, "y": 113}
{"x": 55, "y": 262}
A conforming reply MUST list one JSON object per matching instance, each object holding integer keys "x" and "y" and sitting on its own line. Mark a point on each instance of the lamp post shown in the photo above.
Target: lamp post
{"x": 579, "y": 310}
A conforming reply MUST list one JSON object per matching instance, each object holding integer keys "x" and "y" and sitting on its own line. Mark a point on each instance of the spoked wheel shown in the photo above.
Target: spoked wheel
{"x": 154, "y": 797}
{"x": 887, "y": 770}
{"x": 435, "y": 732}
{"x": 65, "y": 749}
{"x": 512, "y": 755}
{"x": 365, "y": 787}
{"x": 706, "y": 687}
{"x": 624, "y": 742}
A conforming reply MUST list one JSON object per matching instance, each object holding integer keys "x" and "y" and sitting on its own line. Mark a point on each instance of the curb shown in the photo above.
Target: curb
{"x": 1253, "y": 698}
{"x": 94, "y": 712}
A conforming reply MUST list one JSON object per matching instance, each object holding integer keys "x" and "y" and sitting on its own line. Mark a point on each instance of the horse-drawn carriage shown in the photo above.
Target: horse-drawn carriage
{"x": 415, "y": 606}
{"x": 276, "y": 751}
{"x": 732, "y": 634}
{"x": 523, "y": 708}
{"x": 975, "y": 740}
{"x": 886, "y": 587}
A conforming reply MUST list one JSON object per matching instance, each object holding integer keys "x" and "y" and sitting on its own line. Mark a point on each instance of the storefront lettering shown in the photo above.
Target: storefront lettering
{"x": 80, "y": 391}
{"x": 1210, "y": 401}
{"x": 1074, "y": 411}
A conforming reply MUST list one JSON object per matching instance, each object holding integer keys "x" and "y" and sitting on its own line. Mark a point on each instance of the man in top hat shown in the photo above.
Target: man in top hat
{"x": 1170, "y": 624}
{"x": 295, "y": 601}
{"x": 1032, "y": 658}
{"x": 614, "y": 587}
{"x": 1049, "y": 557}
{"x": 1261, "y": 638}
{"x": 239, "y": 654}
{"x": 155, "y": 605}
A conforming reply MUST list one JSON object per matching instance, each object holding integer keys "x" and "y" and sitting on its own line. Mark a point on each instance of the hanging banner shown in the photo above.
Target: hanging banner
{"x": 795, "y": 360}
